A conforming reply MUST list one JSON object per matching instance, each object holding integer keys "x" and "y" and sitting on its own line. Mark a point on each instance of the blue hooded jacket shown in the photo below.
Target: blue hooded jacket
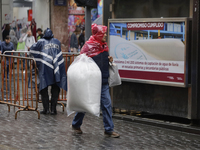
{"x": 48, "y": 56}
{"x": 6, "y": 47}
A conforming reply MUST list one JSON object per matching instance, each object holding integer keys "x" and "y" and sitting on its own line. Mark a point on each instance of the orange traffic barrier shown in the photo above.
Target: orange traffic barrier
{"x": 68, "y": 58}
{"x": 17, "y": 86}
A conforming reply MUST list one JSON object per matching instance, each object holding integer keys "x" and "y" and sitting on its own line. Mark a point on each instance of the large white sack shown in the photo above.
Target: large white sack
{"x": 84, "y": 86}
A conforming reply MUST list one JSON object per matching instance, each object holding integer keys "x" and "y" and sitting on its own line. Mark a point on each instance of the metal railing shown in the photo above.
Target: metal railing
{"x": 68, "y": 57}
{"x": 17, "y": 89}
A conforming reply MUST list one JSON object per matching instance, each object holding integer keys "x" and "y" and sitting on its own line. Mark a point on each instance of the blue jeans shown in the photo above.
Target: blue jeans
{"x": 24, "y": 64}
{"x": 7, "y": 67}
{"x": 106, "y": 111}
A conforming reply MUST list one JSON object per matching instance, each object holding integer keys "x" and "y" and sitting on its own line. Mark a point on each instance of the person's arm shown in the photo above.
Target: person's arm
{"x": 33, "y": 39}
{"x": 35, "y": 51}
{"x": 24, "y": 38}
{"x": 12, "y": 47}
{"x": 36, "y": 47}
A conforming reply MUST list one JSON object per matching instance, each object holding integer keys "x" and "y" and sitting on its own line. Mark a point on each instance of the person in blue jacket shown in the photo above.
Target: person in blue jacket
{"x": 97, "y": 48}
{"x": 7, "y": 46}
{"x": 50, "y": 63}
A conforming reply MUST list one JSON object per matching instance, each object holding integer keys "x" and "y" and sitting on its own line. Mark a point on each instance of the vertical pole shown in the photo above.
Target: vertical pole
{"x": 2, "y": 77}
{"x": 0, "y": 19}
{"x": 87, "y": 22}
{"x": 50, "y": 14}
{"x": 22, "y": 63}
{"x": 183, "y": 31}
{"x": 158, "y": 32}
{"x": 148, "y": 34}
{"x": 113, "y": 13}
{"x": 121, "y": 31}
{"x": 135, "y": 36}
{"x": 193, "y": 103}
{"x": 106, "y": 11}
{"x": 191, "y": 9}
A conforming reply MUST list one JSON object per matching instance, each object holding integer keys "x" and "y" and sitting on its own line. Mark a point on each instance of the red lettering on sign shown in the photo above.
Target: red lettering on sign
{"x": 145, "y": 26}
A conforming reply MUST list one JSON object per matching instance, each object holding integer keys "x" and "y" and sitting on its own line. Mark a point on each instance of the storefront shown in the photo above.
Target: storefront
{"x": 152, "y": 42}
{"x": 76, "y": 16}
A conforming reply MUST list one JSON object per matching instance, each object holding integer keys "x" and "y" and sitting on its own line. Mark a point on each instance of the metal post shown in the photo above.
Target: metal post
{"x": 50, "y": 14}
{"x": 106, "y": 11}
{"x": 148, "y": 34}
{"x": 193, "y": 103}
{"x": 87, "y": 22}
{"x": 0, "y": 19}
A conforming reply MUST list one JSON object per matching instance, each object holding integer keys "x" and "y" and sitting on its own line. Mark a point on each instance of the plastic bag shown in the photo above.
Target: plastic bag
{"x": 20, "y": 46}
{"x": 84, "y": 86}
{"x": 114, "y": 78}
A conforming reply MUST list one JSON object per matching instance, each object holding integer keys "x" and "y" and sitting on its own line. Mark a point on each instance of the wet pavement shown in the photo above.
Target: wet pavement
{"x": 54, "y": 132}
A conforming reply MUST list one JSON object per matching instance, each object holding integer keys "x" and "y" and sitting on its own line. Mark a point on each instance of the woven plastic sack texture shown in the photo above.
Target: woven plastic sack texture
{"x": 84, "y": 86}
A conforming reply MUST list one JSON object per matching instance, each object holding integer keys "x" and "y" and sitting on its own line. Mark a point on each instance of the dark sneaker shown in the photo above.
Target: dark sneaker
{"x": 45, "y": 112}
{"x": 76, "y": 130}
{"x": 54, "y": 113}
{"x": 112, "y": 134}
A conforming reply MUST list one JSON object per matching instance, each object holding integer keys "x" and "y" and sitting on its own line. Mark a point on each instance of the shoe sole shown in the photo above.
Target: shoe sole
{"x": 76, "y": 131}
{"x": 45, "y": 113}
{"x": 53, "y": 114}
{"x": 112, "y": 136}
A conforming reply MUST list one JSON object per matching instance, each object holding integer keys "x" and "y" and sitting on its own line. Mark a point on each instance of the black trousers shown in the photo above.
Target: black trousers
{"x": 55, "y": 90}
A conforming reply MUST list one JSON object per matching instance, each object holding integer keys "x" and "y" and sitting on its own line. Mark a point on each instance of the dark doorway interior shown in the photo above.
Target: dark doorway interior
{"x": 151, "y": 8}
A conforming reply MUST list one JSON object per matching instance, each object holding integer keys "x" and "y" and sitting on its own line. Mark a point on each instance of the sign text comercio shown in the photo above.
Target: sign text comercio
{"x": 145, "y": 26}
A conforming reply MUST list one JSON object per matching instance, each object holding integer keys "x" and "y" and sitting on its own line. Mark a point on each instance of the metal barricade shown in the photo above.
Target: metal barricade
{"x": 69, "y": 58}
{"x": 17, "y": 85}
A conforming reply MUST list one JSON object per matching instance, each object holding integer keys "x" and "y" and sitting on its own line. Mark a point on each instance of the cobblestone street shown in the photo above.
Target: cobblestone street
{"x": 54, "y": 132}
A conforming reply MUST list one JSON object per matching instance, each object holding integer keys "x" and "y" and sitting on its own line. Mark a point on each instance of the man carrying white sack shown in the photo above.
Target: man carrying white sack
{"x": 96, "y": 48}
{"x": 48, "y": 56}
